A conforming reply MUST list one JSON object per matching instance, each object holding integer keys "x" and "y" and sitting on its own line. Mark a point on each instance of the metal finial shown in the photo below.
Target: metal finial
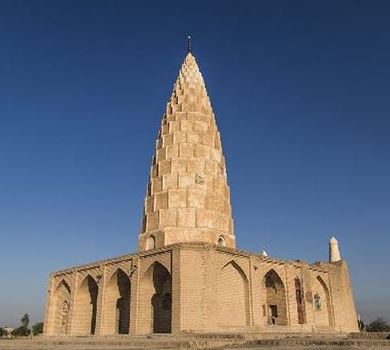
{"x": 189, "y": 48}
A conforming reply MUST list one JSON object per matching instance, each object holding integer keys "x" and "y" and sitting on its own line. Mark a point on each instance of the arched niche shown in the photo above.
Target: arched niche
{"x": 221, "y": 241}
{"x": 156, "y": 299}
{"x": 86, "y": 307}
{"x": 151, "y": 243}
{"x": 116, "y": 305}
{"x": 321, "y": 303}
{"x": 62, "y": 298}
{"x": 232, "y": 297}
{"x": 276, "y": 307}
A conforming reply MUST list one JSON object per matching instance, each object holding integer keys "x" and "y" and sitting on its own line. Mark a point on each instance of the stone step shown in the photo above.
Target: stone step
{"x": 203, "y": 341}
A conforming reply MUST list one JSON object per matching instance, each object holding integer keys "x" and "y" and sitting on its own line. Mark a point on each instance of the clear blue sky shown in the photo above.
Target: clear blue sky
{"x": 301, "y": 94}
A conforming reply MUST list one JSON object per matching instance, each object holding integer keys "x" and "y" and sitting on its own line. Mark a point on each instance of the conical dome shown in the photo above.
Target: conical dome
{"x": 188, "y": 197}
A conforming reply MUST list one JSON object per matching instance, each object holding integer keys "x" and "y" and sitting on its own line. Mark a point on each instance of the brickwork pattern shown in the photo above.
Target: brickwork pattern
{"x": 196, "y": 287}
{"x": 187, "y": 275}
{"x": 188, "y": 197}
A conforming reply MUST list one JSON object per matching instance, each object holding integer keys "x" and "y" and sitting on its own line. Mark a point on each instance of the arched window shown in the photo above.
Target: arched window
{"x": 317, "y": 301}
{"x": 151, "y": 243}
{"x": 221, "y": 241}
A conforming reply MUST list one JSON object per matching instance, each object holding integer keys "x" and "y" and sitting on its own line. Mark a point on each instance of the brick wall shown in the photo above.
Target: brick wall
{"x": 199, "y": 288}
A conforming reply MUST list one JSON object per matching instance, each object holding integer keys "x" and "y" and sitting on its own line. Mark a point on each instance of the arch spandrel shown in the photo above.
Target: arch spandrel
{"x": 243, "y": 263}
{"x": 238, "y": 267}
{"x": 112, "y": 268}
{"x": 164, "y": 260}
{"x": 95, "y": 273}
{"x": 67, "y": 278}
{"x": 62, "y": 281}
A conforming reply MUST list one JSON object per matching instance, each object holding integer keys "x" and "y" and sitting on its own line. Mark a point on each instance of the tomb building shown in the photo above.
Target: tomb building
{"x": 188, "y": 275}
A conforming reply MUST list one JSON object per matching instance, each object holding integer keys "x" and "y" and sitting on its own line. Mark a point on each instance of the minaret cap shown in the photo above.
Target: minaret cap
{"x": 334, "y": 251}
{"x": 264, "y": 253}
{"x": 189, "y": 47}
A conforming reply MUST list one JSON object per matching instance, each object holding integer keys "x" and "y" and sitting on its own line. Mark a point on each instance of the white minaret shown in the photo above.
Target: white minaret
{"x": 334, "y": 251}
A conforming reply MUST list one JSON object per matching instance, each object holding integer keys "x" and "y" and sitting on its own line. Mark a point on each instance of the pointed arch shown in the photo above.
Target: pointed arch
{"x": 62, "y": 298}
{"x": 276, "y": 309}
{"x": 321, "y": 303}
{"x": 86, "y": 307}
{"x": 232, "y": 285}
{"x": 156, "y": 297}
{"x": 116, "y": 304}
{"x": 221, "y": 241}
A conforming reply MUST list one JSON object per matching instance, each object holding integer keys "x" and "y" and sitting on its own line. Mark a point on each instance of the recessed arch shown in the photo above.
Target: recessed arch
{"x": 321, "y": 303}
{"x": 151, "y": 242}
{"x": 62, "y": 299}
{"x": 232, "y": 285}
{"x": 116, "y": 305}
{"x": 276, "y": 309}
{"x": 221, "y": 241}
{"x": 156, "y": 295}
{"x": 86, "y": 307}
{"x": 63, "y": 284}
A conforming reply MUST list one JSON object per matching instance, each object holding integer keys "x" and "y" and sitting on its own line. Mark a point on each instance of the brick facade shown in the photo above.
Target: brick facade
{"x": 188, "y": 275}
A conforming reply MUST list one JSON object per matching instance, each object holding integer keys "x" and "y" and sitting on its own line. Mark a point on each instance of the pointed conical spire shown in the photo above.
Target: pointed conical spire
{"x": 334, "y": 251}
{"x": 188, "y": 197}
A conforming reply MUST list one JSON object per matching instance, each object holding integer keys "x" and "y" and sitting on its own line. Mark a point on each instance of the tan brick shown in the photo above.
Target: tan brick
{"x": 152, "y": 221}
{"x": 186, "y": 150}
{"x": 172, "y": 151}
{"x": 177, "y": 198}
{"x": 204, "y": 218}
{"x": 161, "y": 201}
{"x": 186, "y": 217}
{"x": 186, "y": 180}
{"x": 194, "y": 137}
{"x": 168, "y": 218}
{"x": 149, "y": 204}
{"x": 164, "y": 167}
{"x": 196, "y": 198}
{"x": 179, "y": 166}
{"x": 170, "y": 181}
{"x": 156, "y": 184}
{"x": 195, "y": 166}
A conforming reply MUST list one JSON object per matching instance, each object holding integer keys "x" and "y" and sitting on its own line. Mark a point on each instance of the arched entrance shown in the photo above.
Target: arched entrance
{"x": 300, "y": 300}
{"x": 162, "y": 299}
{"x": 156, "y": 300}
{"x": 62, "y": 297}
{"x": 116, "y": 309}
{"x": 233, "y": 297}
{"x": 86, "y": 307}
{"x": 276, "y": 299}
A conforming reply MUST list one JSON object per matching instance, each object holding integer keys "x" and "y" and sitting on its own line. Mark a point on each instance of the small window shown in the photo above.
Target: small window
{"x": 317, "y": 301}
{"x": 221, "y": 241}
{"x": 150, "y": 243}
